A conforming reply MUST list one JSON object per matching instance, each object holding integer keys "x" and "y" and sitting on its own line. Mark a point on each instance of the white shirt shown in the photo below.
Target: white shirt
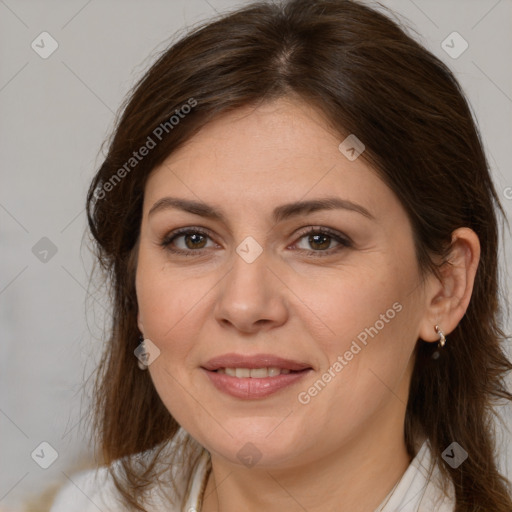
{"x": 93, "y": 490}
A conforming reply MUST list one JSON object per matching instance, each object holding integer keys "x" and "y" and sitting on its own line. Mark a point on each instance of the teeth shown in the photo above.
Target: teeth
{"x": 256, "y": 373}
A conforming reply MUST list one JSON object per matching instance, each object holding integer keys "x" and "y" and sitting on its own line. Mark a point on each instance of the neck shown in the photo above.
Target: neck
{"x": 356, "y": 477}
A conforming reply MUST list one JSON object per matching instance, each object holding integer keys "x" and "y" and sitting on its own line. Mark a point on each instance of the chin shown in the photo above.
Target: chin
{"x": 256, "y": 441}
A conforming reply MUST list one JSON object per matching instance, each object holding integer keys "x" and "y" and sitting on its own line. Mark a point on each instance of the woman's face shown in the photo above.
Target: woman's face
{"x": 334, "y": 313}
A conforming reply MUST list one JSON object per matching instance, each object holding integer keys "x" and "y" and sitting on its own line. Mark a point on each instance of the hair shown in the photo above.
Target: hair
{"x": 368, "y": 77}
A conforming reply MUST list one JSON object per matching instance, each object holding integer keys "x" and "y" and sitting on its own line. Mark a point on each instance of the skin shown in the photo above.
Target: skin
{"x": 344, "y": 450}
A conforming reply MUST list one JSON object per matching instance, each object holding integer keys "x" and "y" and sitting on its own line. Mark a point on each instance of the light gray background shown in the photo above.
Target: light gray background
{"x": 54, "y": 115}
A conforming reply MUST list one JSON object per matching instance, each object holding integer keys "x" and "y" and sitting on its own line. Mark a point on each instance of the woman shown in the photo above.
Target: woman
{"x": 300, "y": 230}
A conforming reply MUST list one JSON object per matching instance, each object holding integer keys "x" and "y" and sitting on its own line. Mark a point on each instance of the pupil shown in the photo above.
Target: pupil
{"x": 325, "y": 245}
{"x": 196, "y": 238}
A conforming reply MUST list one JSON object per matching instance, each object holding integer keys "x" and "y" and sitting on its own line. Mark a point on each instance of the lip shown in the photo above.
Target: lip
{"x": 249, "y": 388}
{"x": 254, "y": 361}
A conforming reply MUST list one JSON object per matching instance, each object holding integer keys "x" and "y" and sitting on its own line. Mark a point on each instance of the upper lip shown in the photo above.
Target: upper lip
{"x": 254, "y": 361}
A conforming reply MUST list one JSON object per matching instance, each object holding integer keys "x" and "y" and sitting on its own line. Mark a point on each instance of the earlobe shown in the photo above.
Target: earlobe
{"x": 139, "y": 322}
{"x": 449, "y": 297}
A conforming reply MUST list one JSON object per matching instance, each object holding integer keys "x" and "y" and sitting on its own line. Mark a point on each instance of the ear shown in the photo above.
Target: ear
{"x": 448, "y": 298}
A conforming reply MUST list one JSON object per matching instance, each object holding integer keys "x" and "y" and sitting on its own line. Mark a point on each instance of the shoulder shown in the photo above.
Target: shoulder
{"x": 184, "y": 463}
{"x": 437, "y": 494}
{"x": 421, "y": 487}
{"x": 86, "y": 491}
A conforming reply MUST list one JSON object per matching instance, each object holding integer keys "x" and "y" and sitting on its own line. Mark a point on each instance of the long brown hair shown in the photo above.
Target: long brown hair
{"x": 368, "y": 77}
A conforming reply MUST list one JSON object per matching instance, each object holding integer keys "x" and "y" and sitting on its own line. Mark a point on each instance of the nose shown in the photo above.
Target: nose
{"x": 251, "y": 297}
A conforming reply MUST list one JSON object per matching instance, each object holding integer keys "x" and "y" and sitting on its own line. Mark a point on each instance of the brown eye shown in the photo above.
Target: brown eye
{"x": 194, "y": 241}
{"x": 321, "y": 239}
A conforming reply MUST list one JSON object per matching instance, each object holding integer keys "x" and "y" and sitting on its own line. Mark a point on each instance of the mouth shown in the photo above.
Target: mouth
{"x": 254, "y": 373}
{"x": 253, "y": 377}
{"x": 259, "y": 362}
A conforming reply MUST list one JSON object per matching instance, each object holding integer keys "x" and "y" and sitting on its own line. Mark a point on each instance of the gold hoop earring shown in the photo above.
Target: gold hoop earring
{"x": 441, "y": 343}
{"x": 442, "y": 337}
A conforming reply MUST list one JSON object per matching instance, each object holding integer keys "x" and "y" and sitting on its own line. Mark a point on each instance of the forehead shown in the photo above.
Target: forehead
{"x": 264, "y": 154}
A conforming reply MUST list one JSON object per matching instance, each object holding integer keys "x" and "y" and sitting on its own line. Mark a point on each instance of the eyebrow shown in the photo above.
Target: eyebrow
{"x": 279, "y": 214}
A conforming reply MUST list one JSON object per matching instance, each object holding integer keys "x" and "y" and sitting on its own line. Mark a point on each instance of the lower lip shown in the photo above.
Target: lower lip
{"x": 252, "y": 388}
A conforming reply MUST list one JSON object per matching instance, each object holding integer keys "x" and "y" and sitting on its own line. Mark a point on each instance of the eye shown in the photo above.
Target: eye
{"x": 195, "y": 240}
{"x": 321, "y": 239}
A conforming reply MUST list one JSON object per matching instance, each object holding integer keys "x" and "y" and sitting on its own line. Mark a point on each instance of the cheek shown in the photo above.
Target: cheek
{"x": 169, "y": 303}
{"x": 356, "y": 303}
{"x": 372, "y": 317}
{"x": 170, "y": 306}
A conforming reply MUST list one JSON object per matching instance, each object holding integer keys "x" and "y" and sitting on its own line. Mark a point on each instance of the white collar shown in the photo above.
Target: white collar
{"x": 419, "y": 488}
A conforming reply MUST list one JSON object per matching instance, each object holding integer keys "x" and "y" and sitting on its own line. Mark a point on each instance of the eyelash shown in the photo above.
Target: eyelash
{"x": 343, "y": 241}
